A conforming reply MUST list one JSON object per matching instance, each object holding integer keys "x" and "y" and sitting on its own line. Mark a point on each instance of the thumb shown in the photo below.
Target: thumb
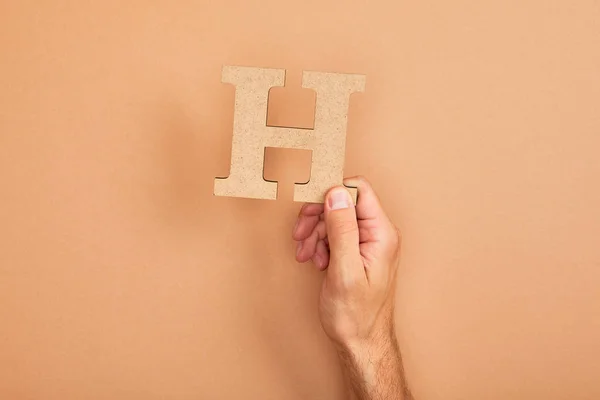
{"x": 342, "y": 226}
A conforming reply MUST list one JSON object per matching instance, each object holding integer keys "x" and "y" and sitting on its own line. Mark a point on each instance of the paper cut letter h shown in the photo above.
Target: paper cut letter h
{"x": 251, "y": 134}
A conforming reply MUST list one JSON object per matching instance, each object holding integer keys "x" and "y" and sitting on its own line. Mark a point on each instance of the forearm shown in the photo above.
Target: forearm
{"x": 374, "y": 370}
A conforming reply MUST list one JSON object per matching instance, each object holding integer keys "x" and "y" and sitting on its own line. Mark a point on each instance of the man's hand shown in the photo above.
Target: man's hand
{"x": 359, "y": 247}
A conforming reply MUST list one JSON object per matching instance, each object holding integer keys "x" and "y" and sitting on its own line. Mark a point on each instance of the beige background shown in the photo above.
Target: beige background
{"x": 122, "y": 277}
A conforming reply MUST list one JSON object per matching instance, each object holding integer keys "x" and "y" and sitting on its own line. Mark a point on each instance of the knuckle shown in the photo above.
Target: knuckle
{"x": 393, "y": 237}
{"x": 398, "y": 243}
{"x": 397, "y": 237}
{"x": 349, "y": 285}
{"x": 394, "y": 241}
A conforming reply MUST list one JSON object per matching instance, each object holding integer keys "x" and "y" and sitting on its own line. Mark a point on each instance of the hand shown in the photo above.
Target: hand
{"x": 359, "y": 247}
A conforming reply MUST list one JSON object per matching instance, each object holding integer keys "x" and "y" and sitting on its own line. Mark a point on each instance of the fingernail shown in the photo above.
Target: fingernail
{"x": 339, "y": 199}
{"x": 298, "y": 248}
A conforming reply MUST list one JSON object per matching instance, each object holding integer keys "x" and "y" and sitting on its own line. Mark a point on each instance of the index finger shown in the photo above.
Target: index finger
{"x": 368, "y": 206}
{"x": 311, "y": 209}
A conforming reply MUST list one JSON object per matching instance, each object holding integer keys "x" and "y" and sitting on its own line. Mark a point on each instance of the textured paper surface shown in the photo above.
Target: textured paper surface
{"x": 251, "y": 135}
{"x": 122, "y": 276}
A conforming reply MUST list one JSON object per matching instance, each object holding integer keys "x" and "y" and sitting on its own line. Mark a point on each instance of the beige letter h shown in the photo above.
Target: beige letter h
{"x": 251, "y": 134}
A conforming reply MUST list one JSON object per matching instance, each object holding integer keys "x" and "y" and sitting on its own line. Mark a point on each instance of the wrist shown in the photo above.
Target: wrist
{"x": 372, "y": 364}
{"x": 380, "y": 338}
{"x": 369, "y": 364}
{"x": 370, "y": 352}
